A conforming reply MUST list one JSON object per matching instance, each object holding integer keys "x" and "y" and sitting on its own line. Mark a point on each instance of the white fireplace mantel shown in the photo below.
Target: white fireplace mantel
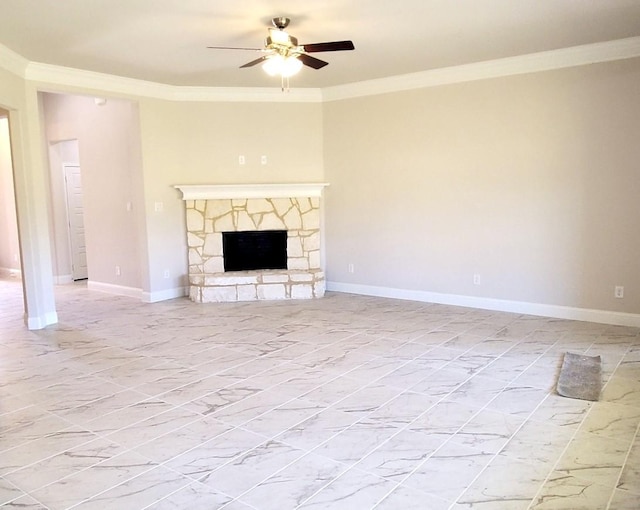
{"x": 225, "y": 191}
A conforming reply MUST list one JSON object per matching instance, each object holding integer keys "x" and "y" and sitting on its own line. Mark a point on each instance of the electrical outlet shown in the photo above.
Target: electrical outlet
{"x": 263, "y": 160}
{"x": 166, "y": 273}
{"x": 618, "y": 292}
{"x": 158, "y": 206}
{"x": 351, "y": 268}
{"x": 241, "y": 160}
{"x": 476, "y": 279}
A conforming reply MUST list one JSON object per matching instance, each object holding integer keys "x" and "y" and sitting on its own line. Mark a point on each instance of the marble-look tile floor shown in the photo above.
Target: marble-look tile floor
{"x": 347, "y": 402}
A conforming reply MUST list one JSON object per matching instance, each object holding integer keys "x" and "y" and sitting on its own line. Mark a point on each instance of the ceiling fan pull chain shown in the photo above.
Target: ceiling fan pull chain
{"x": 284, "y": 84}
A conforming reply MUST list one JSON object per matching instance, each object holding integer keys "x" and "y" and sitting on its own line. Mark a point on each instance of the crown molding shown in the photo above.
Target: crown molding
{"x": 532, "y": 63}
{"x": 52, "y": 75}
{"x": 49, "y": 75}
{"x": 64, "y": 78}
{"x": 248, "y": 94}
{"x": 12, "y": 62}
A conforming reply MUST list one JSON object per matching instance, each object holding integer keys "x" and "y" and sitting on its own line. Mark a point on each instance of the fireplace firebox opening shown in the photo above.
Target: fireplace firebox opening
{"x": 254, "y": 250}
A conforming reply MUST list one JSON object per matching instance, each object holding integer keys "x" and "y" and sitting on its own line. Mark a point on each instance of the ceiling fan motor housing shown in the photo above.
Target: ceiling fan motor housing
{"x": 280, "y": 41}
{"x": 280, "y": 22}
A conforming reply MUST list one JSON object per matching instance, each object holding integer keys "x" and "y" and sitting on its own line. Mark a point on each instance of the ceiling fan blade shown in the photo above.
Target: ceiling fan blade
{"x": 254, "y": 62}
{"x": 328, "y": 46}
{"x": 233, "y": 48}
{"x": 310, "y": 61}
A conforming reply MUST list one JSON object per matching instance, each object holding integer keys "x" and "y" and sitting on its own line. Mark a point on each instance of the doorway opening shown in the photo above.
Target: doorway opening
{"x": 68, "y": 225}
{"x": 75, "y": 221}
{"x": 10, "y": 258}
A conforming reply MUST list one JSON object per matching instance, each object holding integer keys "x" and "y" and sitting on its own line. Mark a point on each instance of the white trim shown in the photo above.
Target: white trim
{"x": 225, "y": 191}
{"x": 117, "y": 290}
{"x": 163, "y": 295}
{"x": 8, "y": 272}
{"x": 79, "y": 78}
{"x": 145, "y": 297}
{"x": 63, "y": 279}
{"x": 247, "y": 94}
{"x": 42, "y": 322}
{"x": 50, "y": 75}
{"x": 12, "y": 61}
{"x": 502, "y": 305}
{"x": 532, "y": 63}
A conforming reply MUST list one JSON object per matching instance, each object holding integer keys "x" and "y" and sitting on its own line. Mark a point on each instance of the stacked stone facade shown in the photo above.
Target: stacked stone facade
{"x": 208, "y": 219}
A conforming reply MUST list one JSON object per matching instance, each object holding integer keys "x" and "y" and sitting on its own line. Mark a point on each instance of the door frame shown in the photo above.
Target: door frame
{"x": 66, "y": 170}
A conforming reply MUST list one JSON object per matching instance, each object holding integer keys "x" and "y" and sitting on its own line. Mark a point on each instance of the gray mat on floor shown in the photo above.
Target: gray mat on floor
{"x": 580, "y": 377}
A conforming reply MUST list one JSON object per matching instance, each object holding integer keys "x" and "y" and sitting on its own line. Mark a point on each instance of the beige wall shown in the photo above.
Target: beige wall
{"x": 199, "y": 143}
{"x": 530, "y": 181}
{"x": 9, "y": 248}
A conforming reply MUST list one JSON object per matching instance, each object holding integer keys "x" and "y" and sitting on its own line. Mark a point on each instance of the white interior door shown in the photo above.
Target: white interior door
{"x": 75, "y": 215}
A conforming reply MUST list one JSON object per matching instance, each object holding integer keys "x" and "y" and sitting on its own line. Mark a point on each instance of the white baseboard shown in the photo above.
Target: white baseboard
{"x": 501, "y": 305}
{"x": 145, "y": 297}
{"x": 8, "y": 272}
{"x": 118, "y": 290}
{"x": 63, "y": 279}
{"x": 163, "y": 295}
{"x": 32, "y": 322}
{"x": 42, "y": 322}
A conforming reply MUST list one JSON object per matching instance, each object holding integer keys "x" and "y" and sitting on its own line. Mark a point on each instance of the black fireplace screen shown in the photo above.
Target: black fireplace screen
{"x": 254, "y": 249}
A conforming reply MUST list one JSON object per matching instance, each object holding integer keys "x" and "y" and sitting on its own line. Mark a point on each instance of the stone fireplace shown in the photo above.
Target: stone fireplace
{"x": 213, "y": 210}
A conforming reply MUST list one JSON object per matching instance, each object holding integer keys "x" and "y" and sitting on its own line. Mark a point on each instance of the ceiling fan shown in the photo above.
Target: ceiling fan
{"x": 284, "y": 56}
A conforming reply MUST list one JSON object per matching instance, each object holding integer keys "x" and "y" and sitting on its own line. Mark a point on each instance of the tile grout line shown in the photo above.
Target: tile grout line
{"x": 633, "y": 440}
{"x": 462, "y": 426}
{"x": 307, "y": 452}
{"x": 573, "y": 436}
{"x": 398, "y": 484}
{"x": 362, "y": 328}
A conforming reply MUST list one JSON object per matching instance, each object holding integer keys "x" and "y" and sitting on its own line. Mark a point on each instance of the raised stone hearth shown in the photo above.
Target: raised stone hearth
{"x": 212, "y": 210}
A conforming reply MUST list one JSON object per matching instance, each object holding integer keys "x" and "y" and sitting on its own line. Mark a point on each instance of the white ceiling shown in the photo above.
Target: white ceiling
{"x": 165, "y": 40}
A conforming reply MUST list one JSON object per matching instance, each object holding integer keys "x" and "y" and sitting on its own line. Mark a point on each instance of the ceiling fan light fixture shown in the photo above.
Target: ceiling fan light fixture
{"x": 279, "y": 65}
